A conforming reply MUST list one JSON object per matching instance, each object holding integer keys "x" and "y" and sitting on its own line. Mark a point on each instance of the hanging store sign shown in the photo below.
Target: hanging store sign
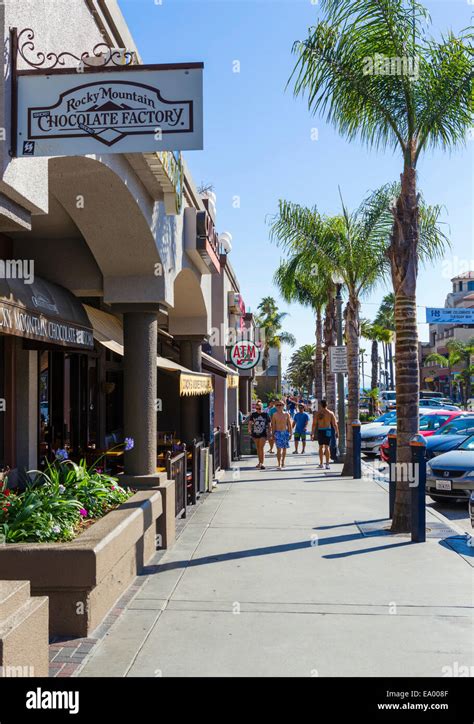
{"x": 134, "y": 109}
{"x": 245, "y": 355}
{"x": 445, "y": 315}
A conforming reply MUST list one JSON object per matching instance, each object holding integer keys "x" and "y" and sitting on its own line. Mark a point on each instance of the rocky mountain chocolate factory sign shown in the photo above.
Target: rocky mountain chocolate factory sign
{"x": 134, "y": 109}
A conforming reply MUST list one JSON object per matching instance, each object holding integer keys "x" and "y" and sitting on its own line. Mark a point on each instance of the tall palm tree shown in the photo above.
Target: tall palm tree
{"x": 385, "y": 318}
{"x": 369, "y": 331}
{"x": 355, "y": 246}
{"x": 409, "y": 111}
{"x": 311, "y": 291}
{"x": 269, "y": 320}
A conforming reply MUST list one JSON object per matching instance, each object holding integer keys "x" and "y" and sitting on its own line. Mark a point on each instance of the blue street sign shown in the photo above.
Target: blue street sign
{"x": 445, "y": 315}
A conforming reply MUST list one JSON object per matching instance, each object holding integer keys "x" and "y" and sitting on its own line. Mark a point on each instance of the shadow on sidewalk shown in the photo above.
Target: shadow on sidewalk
{"x": 271, "y": 550}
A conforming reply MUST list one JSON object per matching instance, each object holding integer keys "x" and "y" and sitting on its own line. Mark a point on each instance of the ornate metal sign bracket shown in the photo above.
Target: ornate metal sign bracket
{"x": 22, "y": 45}
{"x": 102, "y": 55}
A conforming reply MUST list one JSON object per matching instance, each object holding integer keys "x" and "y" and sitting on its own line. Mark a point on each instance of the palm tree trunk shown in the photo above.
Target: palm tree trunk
{"x": 352, "y": 341}
{"x": 330, "y": 339}
{"x": 318, "y": 358}
{"x": 390, "y": 363}
{"x": 374, "y": 359}
{"x": 403, "y": 255}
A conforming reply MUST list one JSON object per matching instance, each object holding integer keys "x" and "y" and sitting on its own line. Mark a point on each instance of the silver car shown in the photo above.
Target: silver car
{"x": 451, "y": 475}
{"x": 372, "y": 436}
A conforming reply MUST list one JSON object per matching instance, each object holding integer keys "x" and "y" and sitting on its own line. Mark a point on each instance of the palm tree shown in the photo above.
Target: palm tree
{"x": 385, "y": 319}
{"x": 369, "y": 331}
{"x": 304, "y": 287}
{"x": 270, "y": 322}
{"x": 354, "y": 245}
{"x": 301, "y": 366}
{"x": 411, "y": 112}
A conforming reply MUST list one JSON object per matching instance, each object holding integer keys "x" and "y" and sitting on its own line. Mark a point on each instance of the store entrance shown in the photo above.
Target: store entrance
{"x": 68, "y": 414}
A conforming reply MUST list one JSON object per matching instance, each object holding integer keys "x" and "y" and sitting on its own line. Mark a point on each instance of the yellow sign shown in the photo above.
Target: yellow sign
{"x": 232, "y": 381}
{"x": 194, "y": 385}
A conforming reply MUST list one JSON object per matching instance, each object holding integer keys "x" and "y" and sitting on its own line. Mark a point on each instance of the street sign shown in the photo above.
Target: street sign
{"x": 446, "y": 315}
{"x": 134, "y": 109}
{"x": 245, "y": 355}
{"x": 338, "y": 359}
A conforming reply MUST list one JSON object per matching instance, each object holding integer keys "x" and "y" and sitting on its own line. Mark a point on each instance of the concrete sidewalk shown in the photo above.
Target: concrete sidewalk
{"x": 272, "y": 577}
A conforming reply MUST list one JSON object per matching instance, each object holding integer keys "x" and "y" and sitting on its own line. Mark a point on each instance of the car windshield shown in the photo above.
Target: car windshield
{"x": 389, "y": 395}
{"x": 456, "y": 426}
{"x": 432, "y": 422}
{"x": 467, "y": 444}
{"x": 387, "y": 417}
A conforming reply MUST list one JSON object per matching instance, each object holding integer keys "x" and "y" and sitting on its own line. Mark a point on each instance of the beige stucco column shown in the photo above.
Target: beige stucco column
{"x": 140, "y": 330}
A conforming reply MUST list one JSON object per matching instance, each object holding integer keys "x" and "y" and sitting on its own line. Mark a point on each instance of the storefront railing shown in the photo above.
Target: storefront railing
{"x": 234, "y": 432}
{"x": 197, "y": 486}
{"x": 176, "y": 470}
{"x": 216, "y": 450}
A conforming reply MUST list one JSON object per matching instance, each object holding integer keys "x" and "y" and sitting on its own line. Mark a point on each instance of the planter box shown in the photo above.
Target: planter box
{"x": 84, "y": 578}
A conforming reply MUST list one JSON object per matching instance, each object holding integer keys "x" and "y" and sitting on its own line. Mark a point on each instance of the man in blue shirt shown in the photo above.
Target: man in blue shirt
{"x": 300, "y": 425}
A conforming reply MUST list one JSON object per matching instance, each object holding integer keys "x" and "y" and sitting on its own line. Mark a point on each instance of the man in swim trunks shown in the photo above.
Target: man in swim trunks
{"x": 281, "y": 429}
{"x": 324, "y": 421}
{"x": 300, "y": 423}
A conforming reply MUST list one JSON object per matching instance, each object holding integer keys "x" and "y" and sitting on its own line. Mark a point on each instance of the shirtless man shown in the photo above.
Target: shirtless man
{"x": 281, "y": 430}
{"x": 323, "y": 422}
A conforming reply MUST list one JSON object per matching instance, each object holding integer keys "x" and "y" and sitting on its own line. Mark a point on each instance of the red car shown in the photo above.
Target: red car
{"x": 429, "y": 423}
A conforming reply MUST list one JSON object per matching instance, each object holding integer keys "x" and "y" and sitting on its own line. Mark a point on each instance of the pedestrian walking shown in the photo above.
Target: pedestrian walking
{"x": 259, "y": 429}
{"x": 271, "y": 411}
{"x": 281, "y": 429}
{"x": 300, "y": 426}
{"x": 324, "y": 422}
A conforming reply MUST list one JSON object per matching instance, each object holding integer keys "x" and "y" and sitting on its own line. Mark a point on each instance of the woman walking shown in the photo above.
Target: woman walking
{"x": 259, "y": 424}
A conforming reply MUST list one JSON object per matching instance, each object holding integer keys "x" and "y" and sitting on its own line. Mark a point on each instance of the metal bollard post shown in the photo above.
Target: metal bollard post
{"x": 356, "y": 450}
{"x": 418, "y": 489}
{"x": 392, "y": 483}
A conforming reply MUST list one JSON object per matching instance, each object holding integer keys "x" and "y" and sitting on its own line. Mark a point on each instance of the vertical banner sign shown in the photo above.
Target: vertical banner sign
{"x": 135, "y": 109}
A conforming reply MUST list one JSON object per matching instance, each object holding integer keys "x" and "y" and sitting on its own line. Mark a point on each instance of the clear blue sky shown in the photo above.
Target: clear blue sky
{"x": 257, "y": 137}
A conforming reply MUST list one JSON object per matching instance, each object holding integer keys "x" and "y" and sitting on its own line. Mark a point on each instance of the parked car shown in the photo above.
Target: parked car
{"x": 430, "y": 421}
{"x": 450, "y": 436}
{"x": 372, "y": 436}
{"x": 388, "y": 400}
{"x": 430, "y": 395}
{"x": 451, "y": 475}
{"x": 438, "y": 404}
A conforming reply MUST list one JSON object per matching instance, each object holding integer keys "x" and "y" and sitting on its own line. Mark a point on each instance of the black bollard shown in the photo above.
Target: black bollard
{"x": 356, "y": 450}
{"x": 392, "y": 482}
{"x": 417, "y": 482}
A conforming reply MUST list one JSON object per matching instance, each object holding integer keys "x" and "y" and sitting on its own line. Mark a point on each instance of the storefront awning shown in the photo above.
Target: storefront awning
{"x": 108, "y": 331}
{"x": 221, "y": 369}
{"x": 43, "y": 312}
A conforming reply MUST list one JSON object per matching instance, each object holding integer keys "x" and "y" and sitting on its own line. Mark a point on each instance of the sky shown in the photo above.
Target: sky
{"x": 260, "y": 144}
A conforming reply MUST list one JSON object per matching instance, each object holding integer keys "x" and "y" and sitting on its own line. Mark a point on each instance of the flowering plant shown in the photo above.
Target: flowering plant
{"x": 57, "y": 501}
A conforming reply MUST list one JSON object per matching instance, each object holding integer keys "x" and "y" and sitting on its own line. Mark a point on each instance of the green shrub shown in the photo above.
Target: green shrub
{"x": 56, "y": 501}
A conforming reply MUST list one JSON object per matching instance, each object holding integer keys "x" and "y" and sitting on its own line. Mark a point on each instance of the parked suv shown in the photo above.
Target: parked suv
{"x": 388, "y": 400}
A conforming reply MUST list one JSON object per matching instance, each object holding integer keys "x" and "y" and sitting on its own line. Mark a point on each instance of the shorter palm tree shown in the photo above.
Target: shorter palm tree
{"x": 457, "y": 352}
{"x": 270, "y": 323}
{"x": 300, "y": 368}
